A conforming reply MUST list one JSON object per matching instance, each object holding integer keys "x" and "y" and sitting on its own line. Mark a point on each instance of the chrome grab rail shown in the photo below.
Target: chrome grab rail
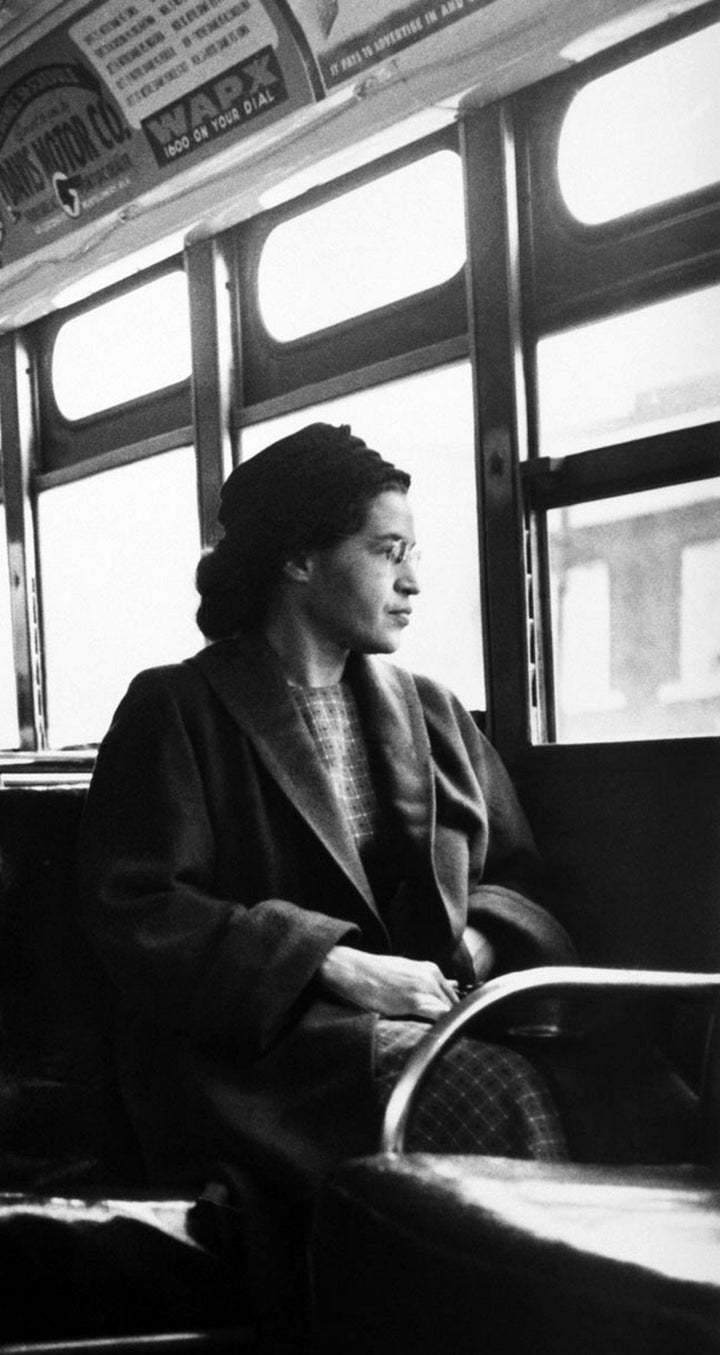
{"x": 548, "y": 981}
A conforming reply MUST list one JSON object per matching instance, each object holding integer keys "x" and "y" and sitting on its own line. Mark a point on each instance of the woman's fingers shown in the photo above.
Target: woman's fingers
{"x": 392, "y": 985}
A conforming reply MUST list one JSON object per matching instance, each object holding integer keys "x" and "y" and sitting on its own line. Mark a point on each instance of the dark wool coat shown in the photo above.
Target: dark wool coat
{"x": 217, "y": 872}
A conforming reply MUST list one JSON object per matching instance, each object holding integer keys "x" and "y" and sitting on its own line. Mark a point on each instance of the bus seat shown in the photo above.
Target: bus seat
{"x": 417, "y": 1253}
{"x": 87, "y": 1252}
{"x": 84, "y": 1268}
{"x": 62, "y": 1124}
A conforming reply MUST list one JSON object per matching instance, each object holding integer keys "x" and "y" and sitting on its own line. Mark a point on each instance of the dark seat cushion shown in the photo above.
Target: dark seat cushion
{"x": 74, "y": 1269}
{"x": 62, "y": 1123}
{"x": 85, "y": 1250}
{"x": 422, "y": 1254}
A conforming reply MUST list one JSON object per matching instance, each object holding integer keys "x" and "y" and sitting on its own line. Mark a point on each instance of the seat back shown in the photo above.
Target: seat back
{"x": 61, "y": 1119}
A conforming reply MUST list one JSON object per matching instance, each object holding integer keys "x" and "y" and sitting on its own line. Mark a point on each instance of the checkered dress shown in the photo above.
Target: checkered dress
{"x": 331, "y": 715}
{"x": 480, "y": 1097}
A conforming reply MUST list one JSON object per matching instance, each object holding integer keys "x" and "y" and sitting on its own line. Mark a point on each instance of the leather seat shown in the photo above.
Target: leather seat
{"x": 419, "y": 1254}
{"x": 77, "y": 1269}
{"x": 426, "y": 1254}
{"x": 87, "y": 1251}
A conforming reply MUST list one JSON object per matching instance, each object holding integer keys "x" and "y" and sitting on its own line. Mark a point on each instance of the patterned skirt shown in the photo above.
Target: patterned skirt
{"x": 479, "y": 1097}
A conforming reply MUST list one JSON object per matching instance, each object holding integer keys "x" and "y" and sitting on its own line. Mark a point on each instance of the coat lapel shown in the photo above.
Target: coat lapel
{"x": 395, "y": 730}
{"x": 247, "y": 678}
{"x": 419, "y": 918}
{"x": 424, "y": 914}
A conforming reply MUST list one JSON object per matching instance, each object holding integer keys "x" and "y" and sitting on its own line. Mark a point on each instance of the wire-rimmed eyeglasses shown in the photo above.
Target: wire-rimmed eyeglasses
{"x": 401, "y": 552}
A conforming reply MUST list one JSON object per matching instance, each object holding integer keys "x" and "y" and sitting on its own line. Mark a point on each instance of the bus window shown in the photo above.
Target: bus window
{"x": 636, "y": 614}
{"x": 124, "y": 348}
{"x": 123, "y": 597}
{"x": 645, "y": 133}
{"x": 424, "y": 424}
{"x": 643, "y": 372}
{"x": 397, "y": 235}
{"x": 9, "y": 731}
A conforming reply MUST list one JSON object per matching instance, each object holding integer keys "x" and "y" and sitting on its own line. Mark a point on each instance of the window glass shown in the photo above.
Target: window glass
{"x": 645, "y": 133}
{"x": 644, "y": 372}
{"x": 424, "y": 424}
{"x": 121, "y": 349}
{"x": 388, "y": 239}
{"x": 9, "y": 731}
{"x": 699, "y": 664}
{"x": 636, "y": 614}
{"x": 117, "y": 586}
{"x": 582, "y": 608}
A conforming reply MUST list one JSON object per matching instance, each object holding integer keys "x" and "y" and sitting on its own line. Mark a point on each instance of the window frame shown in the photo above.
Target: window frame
{"x": 532, "y": 268}
{"x": 150, "y": 421}
{"x": 141, "y": 428}
{"x": 584, "y": 271}
{"x": 535, "y": 270}
{"x": 574, "y": 273}
{"x": 404, "y": 336}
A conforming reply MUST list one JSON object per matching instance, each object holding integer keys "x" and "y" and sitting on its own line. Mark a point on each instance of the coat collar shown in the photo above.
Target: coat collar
{"x": 246, "y": 676}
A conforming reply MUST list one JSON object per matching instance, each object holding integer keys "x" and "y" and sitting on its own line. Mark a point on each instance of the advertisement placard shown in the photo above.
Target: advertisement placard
{"x": 348, "y": 37}
{"x": 128, "y": 93}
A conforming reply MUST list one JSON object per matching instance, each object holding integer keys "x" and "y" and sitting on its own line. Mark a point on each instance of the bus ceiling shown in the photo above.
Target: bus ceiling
{"x": 128, "y": 127}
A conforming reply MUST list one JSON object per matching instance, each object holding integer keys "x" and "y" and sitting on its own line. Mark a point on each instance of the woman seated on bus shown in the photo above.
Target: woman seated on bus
{"x": 296, "y": 855}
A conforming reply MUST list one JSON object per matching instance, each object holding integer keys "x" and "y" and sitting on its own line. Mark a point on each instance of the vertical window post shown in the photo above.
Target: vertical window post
{"x": 496, "y": 341}
{"x": 211, "y": 342}
{"x": 17, "y": 441}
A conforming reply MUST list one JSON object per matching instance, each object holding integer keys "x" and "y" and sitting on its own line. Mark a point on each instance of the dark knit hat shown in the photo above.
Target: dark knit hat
{"x": 294, "y": 496}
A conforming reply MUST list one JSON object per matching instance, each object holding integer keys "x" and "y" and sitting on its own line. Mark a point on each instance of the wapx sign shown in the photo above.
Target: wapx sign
{"x": 217, "y": 107}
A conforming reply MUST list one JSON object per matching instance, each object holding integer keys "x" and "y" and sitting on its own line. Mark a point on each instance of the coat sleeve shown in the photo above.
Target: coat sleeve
{"x": 505, "y": 881}
{"x": 505, "y": 870}
{"x": 178, "y": 953}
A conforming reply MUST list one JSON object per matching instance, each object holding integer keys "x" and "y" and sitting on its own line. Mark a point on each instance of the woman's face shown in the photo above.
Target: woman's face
{"x": 359, "y": 595}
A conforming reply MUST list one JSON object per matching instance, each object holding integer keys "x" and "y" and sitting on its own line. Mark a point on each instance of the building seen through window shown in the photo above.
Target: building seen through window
{"x": 636, "y": 615}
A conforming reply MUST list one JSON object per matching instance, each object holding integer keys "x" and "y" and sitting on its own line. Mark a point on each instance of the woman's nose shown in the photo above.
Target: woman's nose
{"x": 408, "y": 580}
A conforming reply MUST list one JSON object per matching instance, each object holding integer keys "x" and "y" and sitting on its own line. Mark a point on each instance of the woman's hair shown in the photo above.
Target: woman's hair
{"x": 301, "y": 494}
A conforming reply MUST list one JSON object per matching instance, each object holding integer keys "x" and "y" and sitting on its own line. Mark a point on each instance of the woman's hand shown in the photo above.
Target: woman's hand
{"x": 388, "y": 984}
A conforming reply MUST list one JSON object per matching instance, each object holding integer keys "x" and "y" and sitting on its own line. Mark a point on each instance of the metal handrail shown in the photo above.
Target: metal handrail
{"x": 548, "y": 981}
